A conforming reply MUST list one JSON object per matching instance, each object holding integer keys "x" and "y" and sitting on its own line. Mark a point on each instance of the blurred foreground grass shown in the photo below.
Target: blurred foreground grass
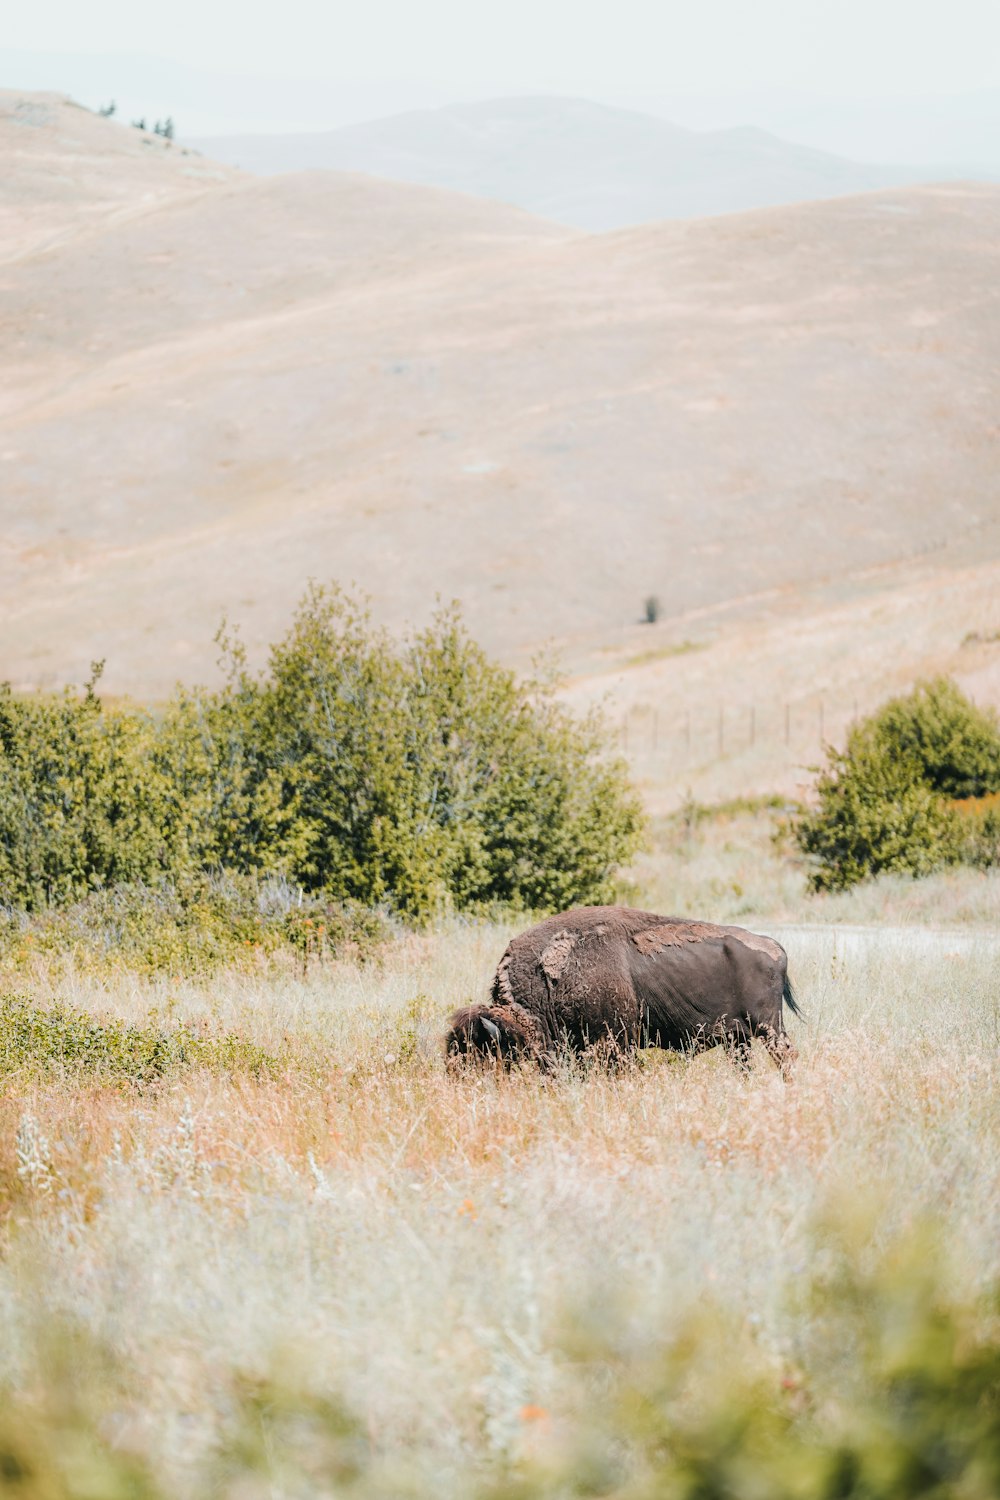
{"x": 904, "y": 1403}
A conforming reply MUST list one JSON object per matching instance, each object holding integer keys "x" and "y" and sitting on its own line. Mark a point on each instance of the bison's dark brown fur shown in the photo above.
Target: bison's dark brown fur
{"x": 620, "y": 978}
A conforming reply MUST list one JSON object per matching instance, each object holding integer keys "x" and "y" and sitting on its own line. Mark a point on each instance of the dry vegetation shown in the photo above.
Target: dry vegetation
{"x": 431, "y": 1249}
{"x": 739, "y": 865}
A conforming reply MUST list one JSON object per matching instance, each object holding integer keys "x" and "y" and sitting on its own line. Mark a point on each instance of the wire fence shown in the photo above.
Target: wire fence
{"x": 686, "y": 736}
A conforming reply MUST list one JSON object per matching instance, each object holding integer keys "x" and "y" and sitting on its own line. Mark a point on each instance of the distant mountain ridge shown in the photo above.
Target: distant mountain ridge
{"x": 572, "y": 161}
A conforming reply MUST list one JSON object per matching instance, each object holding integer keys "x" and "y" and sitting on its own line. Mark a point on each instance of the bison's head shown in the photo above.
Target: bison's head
{"x": 500, "y": 1032}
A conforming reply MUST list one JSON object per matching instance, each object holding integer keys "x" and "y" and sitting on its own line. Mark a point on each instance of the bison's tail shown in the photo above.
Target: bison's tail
{"x": 484, "y": 1031}
{"x": 788, "y": 996}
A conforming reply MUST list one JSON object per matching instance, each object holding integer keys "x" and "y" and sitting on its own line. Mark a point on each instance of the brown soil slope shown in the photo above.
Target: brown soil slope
{"x": 241, "y": 383}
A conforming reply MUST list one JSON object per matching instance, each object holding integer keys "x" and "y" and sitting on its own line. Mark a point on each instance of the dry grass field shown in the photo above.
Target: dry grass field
{"x": 430, "y": 1249}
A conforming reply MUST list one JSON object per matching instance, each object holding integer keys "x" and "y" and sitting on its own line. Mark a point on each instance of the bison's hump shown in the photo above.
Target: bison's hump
{"x": 673, "y": 934}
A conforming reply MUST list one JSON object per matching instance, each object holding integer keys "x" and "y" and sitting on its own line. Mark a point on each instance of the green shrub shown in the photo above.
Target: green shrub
{"x": 425, "y": 776}
{"x": 875, "y": 813}
{"x": 80, "y": 805}
{"x": 882, "y": 800}
{"x": 955, "y": 744}
{"x": 978, "y": 826}
{"x": 37, "y": 1039}
{"x": 420, "y": 776}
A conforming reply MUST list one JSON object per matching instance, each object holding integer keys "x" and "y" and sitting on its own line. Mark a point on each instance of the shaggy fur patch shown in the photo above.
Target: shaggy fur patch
{"x": 503, "y": 991}
{"x": 676, "y": 934}
{"x": 673, "y": 935}
{"x": 556, "y": 955}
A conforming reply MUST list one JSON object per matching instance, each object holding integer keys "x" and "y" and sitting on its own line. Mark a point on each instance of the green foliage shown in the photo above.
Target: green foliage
{"x": 36, "y": 1039}
{"x": 882, "y": 800}
{"x": 80, "y": 805}
{"x": 955, "y": 745}
{"x": 875, "y": 813}
{"x": 421, "y": 777}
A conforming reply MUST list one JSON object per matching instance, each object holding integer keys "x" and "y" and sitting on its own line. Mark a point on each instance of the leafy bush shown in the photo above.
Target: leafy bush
{"x": 419, "y": 776}
{"x": 79, "y": 805}
{"x": 426, "y": 776}
{"x": 882, "y": 800}
{"x": 38, "y": 1039}
{"x": 875, "y": 813}
{"x": 955, "y": 744}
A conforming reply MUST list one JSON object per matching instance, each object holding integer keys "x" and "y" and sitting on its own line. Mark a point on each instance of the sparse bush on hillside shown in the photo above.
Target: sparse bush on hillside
{"x": 420, "y": 776}
{"x": 885, "y": 800}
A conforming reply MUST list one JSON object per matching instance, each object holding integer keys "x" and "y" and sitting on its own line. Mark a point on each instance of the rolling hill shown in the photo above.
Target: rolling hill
{"x": 218, "y": 386}
{"x": 570, "y": 160}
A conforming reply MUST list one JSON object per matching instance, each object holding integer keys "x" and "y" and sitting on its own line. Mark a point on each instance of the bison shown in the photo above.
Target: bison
{"x": 621, "y": 979}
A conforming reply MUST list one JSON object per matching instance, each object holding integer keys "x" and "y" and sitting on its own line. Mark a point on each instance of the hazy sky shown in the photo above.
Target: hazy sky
{"x": 375, "y": 55}
{"x": 832, "y": 46}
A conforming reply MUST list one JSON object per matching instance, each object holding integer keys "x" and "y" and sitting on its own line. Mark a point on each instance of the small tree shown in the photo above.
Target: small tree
{"x": 887, "y": 801}
{"x": 955, "y": 744}
{"x": 875, "y": 813}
